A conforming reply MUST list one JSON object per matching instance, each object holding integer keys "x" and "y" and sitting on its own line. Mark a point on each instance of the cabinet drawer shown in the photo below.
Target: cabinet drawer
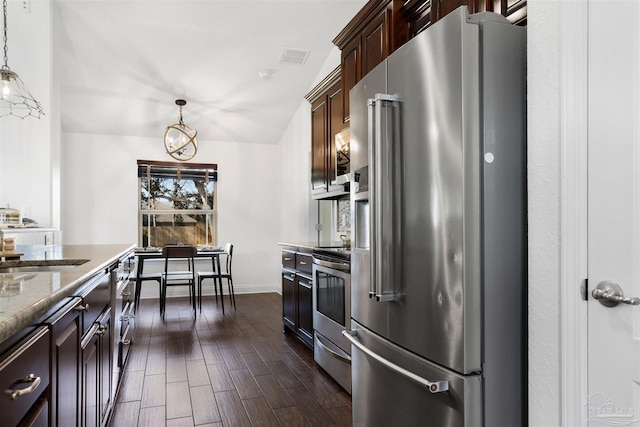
{"x": 303, "y": 262}
{"x": 95, "y": 297}
{"x": 288, "y": 259}
{"x": 25, "y": 370}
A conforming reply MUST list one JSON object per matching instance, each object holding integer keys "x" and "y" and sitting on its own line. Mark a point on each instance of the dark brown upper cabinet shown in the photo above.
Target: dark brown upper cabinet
{"x": 326, "y": 121}
{"x": 372, "y": 35}
{"x": 420, "y": 14}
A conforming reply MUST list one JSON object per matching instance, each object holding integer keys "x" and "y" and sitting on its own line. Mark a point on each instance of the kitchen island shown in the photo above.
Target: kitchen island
{"x": 62, "y": 342}
{"x": 26, "y": 296}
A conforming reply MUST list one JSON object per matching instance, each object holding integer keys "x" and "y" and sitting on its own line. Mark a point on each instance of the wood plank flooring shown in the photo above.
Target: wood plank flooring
{"x": 233, "y": 370}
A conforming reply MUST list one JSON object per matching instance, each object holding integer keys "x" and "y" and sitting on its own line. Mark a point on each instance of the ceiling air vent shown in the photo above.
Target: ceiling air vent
{"x": 294, "y": 56}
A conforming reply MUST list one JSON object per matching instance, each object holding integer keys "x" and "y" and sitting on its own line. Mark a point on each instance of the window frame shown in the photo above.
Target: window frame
{"x": 210, "y": 214}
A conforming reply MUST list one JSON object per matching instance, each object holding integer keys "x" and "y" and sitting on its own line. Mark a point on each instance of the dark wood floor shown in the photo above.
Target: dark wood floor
{"x": 233, "y": 370}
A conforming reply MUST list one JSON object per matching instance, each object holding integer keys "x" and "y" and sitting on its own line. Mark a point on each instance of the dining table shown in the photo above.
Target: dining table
{"x": 143, "y": 254}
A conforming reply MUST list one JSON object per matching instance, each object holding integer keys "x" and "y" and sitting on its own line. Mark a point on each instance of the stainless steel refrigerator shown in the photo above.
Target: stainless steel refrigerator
{"x": 438, "y": 270}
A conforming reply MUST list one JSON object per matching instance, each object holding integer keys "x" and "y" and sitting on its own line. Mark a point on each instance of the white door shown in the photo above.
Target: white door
{"x": 614, "y": 210}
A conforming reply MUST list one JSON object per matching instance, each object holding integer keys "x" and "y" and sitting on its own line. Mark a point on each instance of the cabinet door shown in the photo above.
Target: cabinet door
{"x": 375, "y": 42}
{"x": 66, "y": 373}
{"x": 38, "y": 416}
{"x": 106, "y": 367}
{"x": 351, "y": 72}
{"x": 90, "y": 381}
{"x": 289, "y": 300}
{"x": 319, "y": 114}
{"x": 305, "y": 308}
{"x": 444, "y": 7}
{"x": 24, "y": 376}
{"x": 97, "y": 359}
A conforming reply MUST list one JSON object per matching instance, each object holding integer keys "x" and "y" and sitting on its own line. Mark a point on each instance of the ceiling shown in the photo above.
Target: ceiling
{"x": 124, "y": 63}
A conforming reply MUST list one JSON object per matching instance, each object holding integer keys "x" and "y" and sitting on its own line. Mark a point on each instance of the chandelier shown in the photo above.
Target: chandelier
{"x": 180, "y": 141}
{"x": 15, "y": 98}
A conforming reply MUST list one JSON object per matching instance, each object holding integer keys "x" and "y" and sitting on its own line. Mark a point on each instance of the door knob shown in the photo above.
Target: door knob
{"x": 610, "y": 294}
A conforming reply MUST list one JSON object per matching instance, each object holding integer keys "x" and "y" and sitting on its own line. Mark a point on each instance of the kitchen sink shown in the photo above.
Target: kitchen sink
{"x": 54, "y": 266}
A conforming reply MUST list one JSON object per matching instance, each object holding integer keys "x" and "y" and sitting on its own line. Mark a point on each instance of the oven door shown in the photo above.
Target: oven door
{"x": 332, "y": 300}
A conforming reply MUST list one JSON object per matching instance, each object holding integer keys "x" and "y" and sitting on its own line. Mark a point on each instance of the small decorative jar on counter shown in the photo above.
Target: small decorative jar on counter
{"x": 9, "y": 245}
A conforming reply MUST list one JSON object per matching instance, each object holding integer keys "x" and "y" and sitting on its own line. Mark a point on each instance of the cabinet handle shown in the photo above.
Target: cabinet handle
{"x": 35, "y": 382}
{"x": 124, "y": 317}
{"x": 288, "y": 259}
{"x": 123, "y": 340}
{"x": 290, "y": 278}
{"x": 132, "y": 310}
{"x": 305, "y": 284}
{"x": 303, "y": 263}
{"x": 82, "y": 307}
{"x": 101, "y": 330}
{"x": 125, "y": 293}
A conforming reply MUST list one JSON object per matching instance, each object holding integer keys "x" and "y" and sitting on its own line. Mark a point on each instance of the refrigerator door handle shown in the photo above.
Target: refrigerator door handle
{"x": 432, "y": 386}
{"x": 371, "y": 136}
{"x": 384, "y": 155}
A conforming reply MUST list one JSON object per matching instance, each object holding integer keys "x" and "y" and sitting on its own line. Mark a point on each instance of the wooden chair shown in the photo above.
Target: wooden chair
{"x": 217, "y": 277}
{"x": 178, "y": 277}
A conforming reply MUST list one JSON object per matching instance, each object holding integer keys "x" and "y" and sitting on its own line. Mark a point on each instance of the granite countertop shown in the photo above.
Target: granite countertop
{"x": 24, "y": 297}
{"x": 314, "y": 245}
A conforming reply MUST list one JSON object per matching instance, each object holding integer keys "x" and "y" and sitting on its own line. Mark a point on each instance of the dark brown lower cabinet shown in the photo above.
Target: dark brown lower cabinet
{"x": 25, "y": 379}
{"x": 289, "y": 299}
{"x": 305, "y": 308}
{"x": 39, "y": 415}
{"x": 96, "y": 367}
{"x": 297, "y": 294}
{"x": 67, "y": 331}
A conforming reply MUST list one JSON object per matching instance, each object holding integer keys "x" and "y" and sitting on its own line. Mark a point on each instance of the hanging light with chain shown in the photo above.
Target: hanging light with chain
{"x": 15, "y": 98}
{"x": 180, "y": 141}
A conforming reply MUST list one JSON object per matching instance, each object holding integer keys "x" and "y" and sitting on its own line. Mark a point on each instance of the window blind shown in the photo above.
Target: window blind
{"x": 156, "y": 169}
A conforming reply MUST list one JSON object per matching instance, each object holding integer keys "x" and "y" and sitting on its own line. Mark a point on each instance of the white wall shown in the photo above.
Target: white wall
{"x": 544, "y": 181}
{"x": 299, "y": 213}
{"x": 28, "y": 147}
{"x": 100, "y": 198}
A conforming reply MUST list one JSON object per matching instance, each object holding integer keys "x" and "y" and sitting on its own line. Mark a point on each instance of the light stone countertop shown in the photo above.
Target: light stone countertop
{"x": 312, "y": 245}
{"x": 25, "y": 297}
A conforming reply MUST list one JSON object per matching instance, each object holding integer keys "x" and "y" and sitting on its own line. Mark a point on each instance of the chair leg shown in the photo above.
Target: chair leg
{"x": 192, "y": 289}
{"x": 232, "y": 294}
{"x": 221, "y": 294}
{"x": 163, "y": 295}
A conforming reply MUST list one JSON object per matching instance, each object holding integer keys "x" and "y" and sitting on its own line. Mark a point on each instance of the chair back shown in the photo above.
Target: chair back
{"x": 187, "y": 252}
{"x": 228, "y": 249}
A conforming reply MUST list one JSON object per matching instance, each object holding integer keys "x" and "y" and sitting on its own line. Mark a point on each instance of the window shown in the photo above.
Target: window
{"x": 177, "y": 203}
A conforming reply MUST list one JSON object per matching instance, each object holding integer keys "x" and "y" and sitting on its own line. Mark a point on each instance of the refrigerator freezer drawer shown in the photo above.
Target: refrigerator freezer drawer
{"x": 382, "y": 396}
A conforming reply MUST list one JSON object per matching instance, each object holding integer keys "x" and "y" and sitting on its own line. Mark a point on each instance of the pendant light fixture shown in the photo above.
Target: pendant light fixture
{"x": 180, "y": 141}
{"x": 15, "y": 98}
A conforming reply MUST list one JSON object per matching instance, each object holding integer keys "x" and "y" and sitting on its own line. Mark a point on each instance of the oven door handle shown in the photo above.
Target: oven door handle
{"x": 331, "y": 352}
{"x": 335, "y": 265}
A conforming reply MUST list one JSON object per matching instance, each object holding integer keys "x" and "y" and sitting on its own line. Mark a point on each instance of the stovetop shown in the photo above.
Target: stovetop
{"x": 340, "y": 252}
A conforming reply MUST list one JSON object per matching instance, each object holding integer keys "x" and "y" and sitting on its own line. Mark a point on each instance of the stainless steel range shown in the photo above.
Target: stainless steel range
{"x": 332, "y": 313}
